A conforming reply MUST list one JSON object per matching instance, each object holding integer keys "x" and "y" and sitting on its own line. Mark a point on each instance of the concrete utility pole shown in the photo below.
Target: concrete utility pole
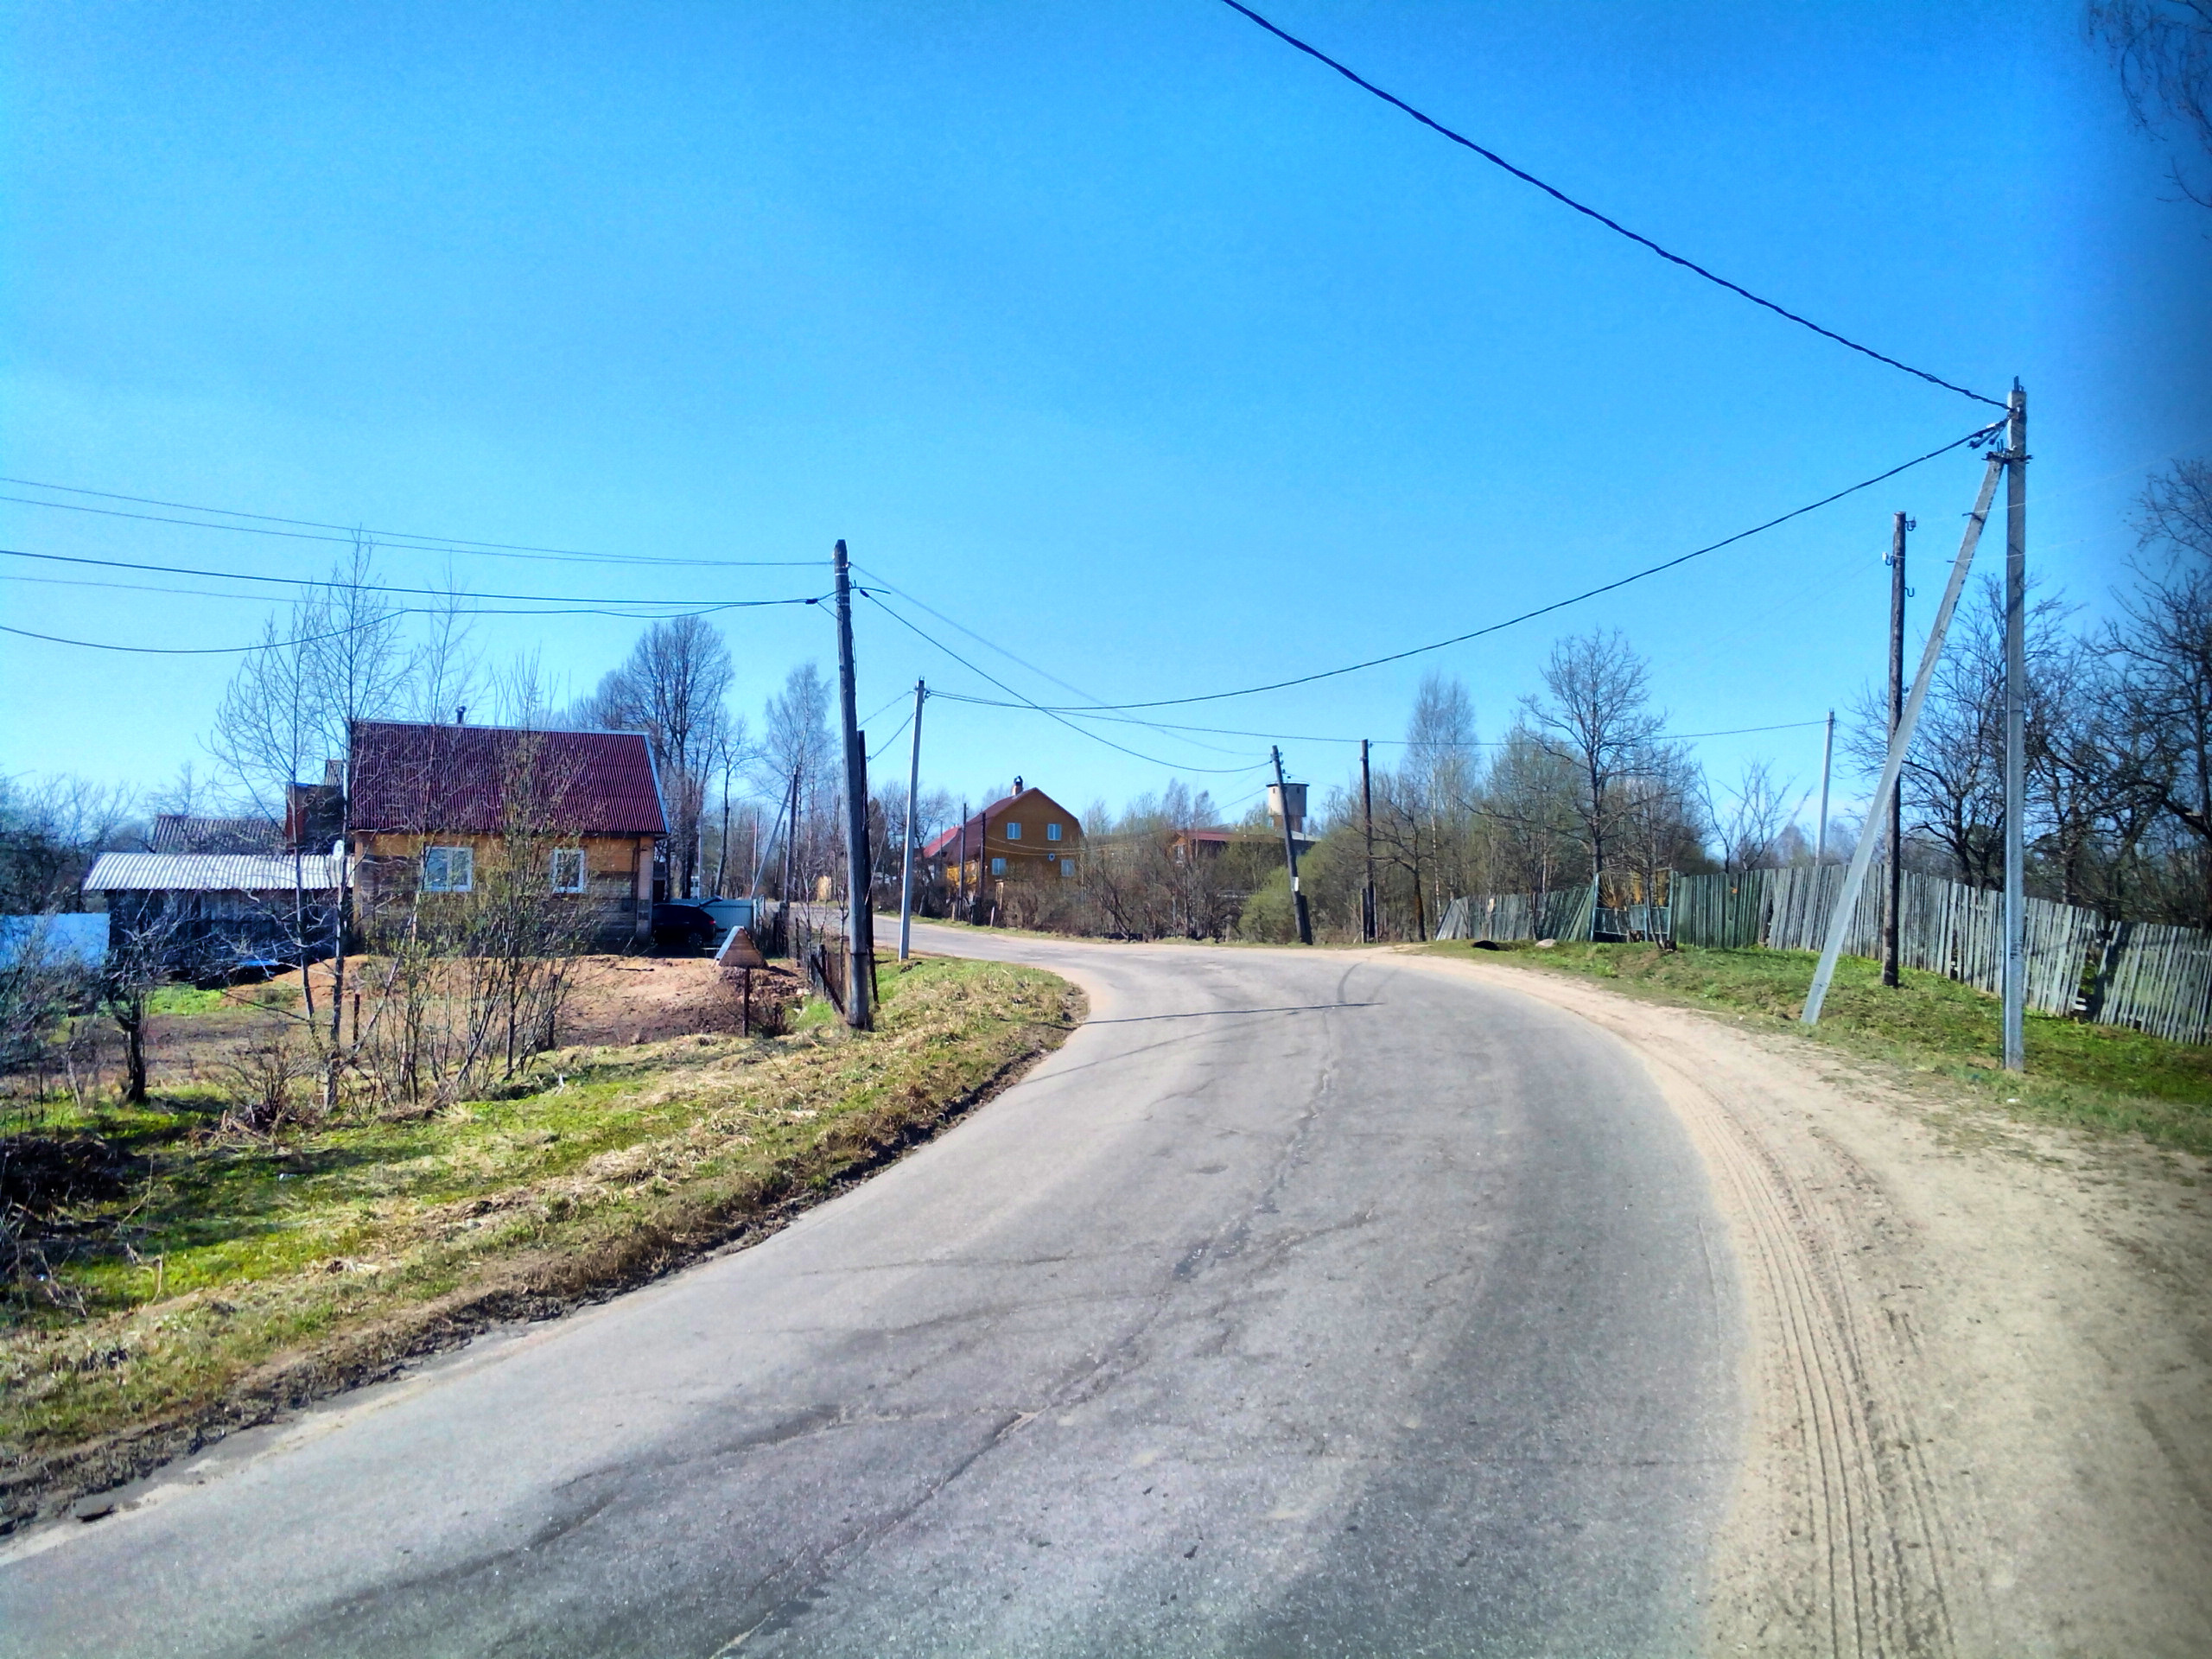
{"x": 858, "y": 926}
{"x": 1290, "y": 853}
{"x": 1855, "y": 877}
{"x": 1828, "y": 759}
{"x": 1890, "y": 910}
{"x": 1367, "y": 917}
{"x": 2016, "y": 702}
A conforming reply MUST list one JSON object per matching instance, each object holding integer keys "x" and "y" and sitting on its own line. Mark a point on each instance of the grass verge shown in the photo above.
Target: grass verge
{"x": 2105, "y": 1077}
{"x": 223, "y": 1280}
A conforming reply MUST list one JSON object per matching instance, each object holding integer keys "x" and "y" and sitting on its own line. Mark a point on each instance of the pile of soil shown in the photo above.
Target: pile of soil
{"x": 649, "y": 999}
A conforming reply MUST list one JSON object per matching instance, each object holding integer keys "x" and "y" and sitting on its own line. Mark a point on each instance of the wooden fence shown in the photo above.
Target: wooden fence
{"x": 1503, "y": 917}
{"x": 2158, "y": 979}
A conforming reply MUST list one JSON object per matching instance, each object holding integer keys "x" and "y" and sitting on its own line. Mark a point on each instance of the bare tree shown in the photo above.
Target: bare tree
{"x": 2165, "y": 640}
{"x": 50, "y": 832}
{"x": 795, "y": 741}
{"x": 1750, "y": 825}
{"x": 2163, "y": 49}
{"x": 1597, "y": 718}
{"x": 671, "y": 689}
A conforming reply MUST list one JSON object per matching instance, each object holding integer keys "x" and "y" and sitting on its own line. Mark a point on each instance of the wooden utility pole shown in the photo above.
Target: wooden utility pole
{"x": 1367, "y": 919}
{"x": 907, "y": 879}
{"x": 1290, "y": 854}
{"x": 791, "y": 861}
{"x": 1827, "y": 756}
{"x": 2016, "y": 700}
{"x": 961, "y": 905}
{"x": 1894, "y": 900}
{"x": 858, "y": 944}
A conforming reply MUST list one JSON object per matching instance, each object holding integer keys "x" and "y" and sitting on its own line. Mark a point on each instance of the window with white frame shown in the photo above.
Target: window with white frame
{"x": 569, "y": 871}
{"x": 449, "y": 869}
{"x": 1013, "y": 832}
{"x": 1051, "y": 832}
{"x": 998, "y": 866}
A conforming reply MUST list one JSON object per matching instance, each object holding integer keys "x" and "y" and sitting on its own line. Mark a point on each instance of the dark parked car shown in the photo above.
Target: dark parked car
{"x": 685, "y": 924}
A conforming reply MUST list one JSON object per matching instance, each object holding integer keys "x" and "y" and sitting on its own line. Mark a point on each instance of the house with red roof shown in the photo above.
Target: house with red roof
{"x": 439, "y": 809}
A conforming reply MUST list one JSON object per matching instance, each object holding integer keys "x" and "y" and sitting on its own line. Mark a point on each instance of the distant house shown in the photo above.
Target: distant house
{"x": 1199, "y": 844}
{"x": 1024, "y": 836}
{"x": 436, "y": 808}
{"x": 214, "y": 913}
{"x": 177, "y": 832}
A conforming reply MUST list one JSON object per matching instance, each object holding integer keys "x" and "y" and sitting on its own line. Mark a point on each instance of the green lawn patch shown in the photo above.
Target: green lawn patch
{"x": 2095, "y": 1077}
{"x": 200, "y": 1281}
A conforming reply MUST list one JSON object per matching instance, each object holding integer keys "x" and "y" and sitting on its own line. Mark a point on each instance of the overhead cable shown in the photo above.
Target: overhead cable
{"x": 1152, "y": 760}
{"x": 1497, "y": 160}
{"x": 379, "y": 588}
{"x": 397, "y": 540}
{"x": 1981, "y": 436}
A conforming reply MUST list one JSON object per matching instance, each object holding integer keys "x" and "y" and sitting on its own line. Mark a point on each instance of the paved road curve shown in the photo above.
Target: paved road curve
{"x": 1304, "y": 1303}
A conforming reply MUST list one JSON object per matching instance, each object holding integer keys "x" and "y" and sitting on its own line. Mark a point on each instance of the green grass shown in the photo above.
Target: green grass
{"x": 192, "y": 1000}
{"x": 2103, "y": 1077}
{"x": 223, "y": 1275}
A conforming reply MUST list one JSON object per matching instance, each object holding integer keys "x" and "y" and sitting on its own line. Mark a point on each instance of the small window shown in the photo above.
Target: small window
{"x": 568, "y": 870}
{"x": 1067, "y": 867}
{"x": 1013, "y": 832}
{"x": 1051, "y": 832}
{"x": 449, "y": 869}
{"x": 998, "y": 866}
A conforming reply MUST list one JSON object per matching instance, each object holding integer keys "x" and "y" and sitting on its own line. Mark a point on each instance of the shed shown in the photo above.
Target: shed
{"x": 216, "y": 912}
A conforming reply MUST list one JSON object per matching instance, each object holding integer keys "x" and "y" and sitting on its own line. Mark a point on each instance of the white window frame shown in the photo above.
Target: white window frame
{"x": 464, "y": 857}
{"x": 553, "y": 863}
{"x": 1013, "y": 832}
{"x": 1051, "y": 832}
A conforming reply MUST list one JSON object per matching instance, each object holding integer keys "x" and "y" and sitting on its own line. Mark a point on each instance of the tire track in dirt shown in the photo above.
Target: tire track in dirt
{"x": 1842, "y": 1539}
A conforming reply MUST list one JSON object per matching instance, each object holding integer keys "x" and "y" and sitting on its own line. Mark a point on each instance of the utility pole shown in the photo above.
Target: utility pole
{"x": 791, "y": 861}
{"x": 1290, "y": 853}
{"x": 960, "y": 901}
{"x": 858, "y": 944}
{"x": 1890, "y": 911}
{"x": 913, "y": 784}
{"x": 1367, "y": 919}
{"x": 2016, "y": 697}
{"x": 1827, "y": 756}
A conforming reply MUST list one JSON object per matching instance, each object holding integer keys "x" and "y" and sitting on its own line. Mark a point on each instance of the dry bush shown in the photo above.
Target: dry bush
{"x": 266, "y": 1081}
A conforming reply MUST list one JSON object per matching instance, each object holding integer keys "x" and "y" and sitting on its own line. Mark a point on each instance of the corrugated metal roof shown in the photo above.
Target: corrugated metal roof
{"x": 175, "y": 832}
{"x": 208, "y": 872}
{"x": 453, "y": 779}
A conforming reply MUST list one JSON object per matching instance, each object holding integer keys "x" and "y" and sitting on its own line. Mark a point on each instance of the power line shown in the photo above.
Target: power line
{"x": 399, "y": 540}
{"x": 198, "y": 651}
{"x": 1379, "y": 742}
{"x": 1150, "y": 759}
{"x": 989, "y": 644}
{"x": 1978, "y": 437}
{"x": 378, "y": 587}
{"x": 1493, "y": 157}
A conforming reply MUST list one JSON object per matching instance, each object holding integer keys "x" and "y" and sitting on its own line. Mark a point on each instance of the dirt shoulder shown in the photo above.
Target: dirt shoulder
{"x": 1980, "y": 1353}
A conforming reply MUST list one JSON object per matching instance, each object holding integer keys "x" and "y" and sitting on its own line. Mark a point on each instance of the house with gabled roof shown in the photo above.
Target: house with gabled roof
{"x": 1024, "y": 836}
{"x": 435, "y": 807}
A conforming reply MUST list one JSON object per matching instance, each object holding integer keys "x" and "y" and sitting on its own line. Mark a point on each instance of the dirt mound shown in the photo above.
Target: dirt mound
{"x": 648, "y": 999}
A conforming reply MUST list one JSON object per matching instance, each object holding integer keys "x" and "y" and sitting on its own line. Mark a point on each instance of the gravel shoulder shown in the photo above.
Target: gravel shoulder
{"x": 1980, "y": 1372}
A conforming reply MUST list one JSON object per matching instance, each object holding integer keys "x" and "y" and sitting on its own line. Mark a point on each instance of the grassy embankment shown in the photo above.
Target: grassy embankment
{"x": 223, "y": 1278}
{"x": 2104, "y": 1077}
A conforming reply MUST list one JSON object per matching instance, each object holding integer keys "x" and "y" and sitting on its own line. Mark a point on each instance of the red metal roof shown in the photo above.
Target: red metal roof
{"x": 425, "y": 779}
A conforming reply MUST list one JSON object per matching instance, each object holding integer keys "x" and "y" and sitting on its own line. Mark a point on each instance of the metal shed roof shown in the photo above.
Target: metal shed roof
{"x": 209, "y": 873}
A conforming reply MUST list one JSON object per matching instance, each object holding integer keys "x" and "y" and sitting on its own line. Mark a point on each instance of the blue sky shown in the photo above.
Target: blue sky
{"x": 1124, "y": 335}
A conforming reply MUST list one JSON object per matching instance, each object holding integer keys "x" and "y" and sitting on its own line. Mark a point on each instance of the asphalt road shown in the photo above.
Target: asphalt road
{"x": 1304, "y": 1303}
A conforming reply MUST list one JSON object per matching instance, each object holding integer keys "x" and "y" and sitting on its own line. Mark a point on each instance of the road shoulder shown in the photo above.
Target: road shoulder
{"x": 1980, "y": 1373}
